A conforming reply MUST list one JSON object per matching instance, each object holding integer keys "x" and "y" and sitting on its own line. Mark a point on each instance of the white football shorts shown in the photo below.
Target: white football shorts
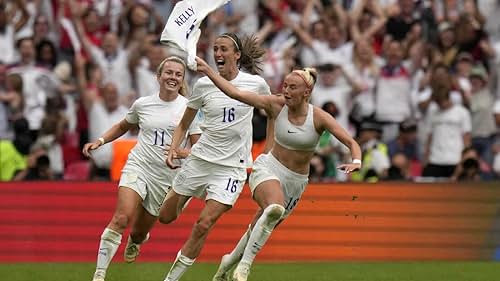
{"x": 267, "y": 167}
{"x": 198, "y": 178}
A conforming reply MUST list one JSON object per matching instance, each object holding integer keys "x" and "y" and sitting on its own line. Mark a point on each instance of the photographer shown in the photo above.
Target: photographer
{"x": 469, "y": 167}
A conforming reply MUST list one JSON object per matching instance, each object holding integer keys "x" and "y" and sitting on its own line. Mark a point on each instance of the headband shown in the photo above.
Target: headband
{"x": 234, "y": 41}
{"x": 302, "y": 77}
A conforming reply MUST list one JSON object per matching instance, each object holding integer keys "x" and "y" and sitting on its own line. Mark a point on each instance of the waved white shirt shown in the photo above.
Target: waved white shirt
{"x": 227, "y": 123}
{"x": 183, "y": 25}
{"x": 157, "y": 120}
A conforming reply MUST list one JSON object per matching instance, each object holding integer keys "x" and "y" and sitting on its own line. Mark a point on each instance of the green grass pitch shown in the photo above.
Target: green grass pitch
{"x": 341, "y": 271}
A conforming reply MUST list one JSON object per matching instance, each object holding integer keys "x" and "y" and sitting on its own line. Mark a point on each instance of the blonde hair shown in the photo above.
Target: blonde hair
{"x": 309, "y": 75}
{"x": 183, "y": 90}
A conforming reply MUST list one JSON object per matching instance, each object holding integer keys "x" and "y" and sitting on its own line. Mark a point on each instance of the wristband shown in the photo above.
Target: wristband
{"x": 356, "y": 161}
{"x": 101, "y": 140}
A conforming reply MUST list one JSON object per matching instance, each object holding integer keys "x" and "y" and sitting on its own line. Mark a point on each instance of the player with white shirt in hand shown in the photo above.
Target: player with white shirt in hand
{"x": 216, "y": 167}
{"x": 279, "y": 177}
{"x": 145, "y": 179}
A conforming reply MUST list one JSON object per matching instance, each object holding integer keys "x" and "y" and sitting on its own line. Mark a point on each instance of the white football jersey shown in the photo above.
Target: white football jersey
{"x": 157, "y": 120}
{"x": 227, "y": 123}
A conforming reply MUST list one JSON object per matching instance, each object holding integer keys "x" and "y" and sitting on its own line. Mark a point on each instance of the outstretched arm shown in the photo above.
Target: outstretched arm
{"x": 327, "y": 122}
{"x": 259, "y": 101}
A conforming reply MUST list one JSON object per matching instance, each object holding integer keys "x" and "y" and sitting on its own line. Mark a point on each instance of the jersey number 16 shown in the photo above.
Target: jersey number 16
{"x": 228, "y": 115}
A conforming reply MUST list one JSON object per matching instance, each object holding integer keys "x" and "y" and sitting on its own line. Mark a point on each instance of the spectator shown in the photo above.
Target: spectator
{"x": 51, "y": 136}
{"x": 11, "y": 103}
{"x": 145, "y": 73}
{"x": 400, "y": 168}
{"x": 392, "y": 93}
{"x": 331, "y": 87}
{"x": 44, "y": 30}
{"x": 364, "y": 70}
{"x": 401, "y": 19}
{"x": 138, "y": 19}
{"x": 471, "y": 38}
{"x": 38, "y": 84}
{"x": 375, "y": 155}
{"x": 102, "y": 111}
{"x": 449, "y": 133}
{"x": 46, "y": 55}
{"x": 41, "y": 170}
{"x": 111, "y": 58}
{"x": 468, "y": 168}
{"x": 438, "y": 79}
{"x": 463, "y": 67}
{"x": 481, "y": 106}
{"x": 406, "y": 141}
{"x": 446, "y": 49}
{"x": 15, "y": 156}
{"x": 8, "y": 29}
{"x": 368, "y": 19}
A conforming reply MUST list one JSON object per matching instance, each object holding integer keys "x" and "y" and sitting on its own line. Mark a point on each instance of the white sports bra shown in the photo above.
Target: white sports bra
{"x": 303, "y": 137}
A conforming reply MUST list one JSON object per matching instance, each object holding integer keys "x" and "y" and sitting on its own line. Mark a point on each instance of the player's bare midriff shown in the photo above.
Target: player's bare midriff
{"x": 295, "y": 160}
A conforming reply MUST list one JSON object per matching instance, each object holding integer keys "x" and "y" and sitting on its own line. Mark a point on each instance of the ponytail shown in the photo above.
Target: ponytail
{"x": 251, "y": 52}
{"x": 309, "y": 75}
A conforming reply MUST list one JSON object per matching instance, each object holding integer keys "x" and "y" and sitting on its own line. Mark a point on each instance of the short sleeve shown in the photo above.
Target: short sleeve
{"x": 264, "y": 88}
{"x": 196, "y": 99}
{"x": 132, "y": 116}
{"x": 194, "y": 128}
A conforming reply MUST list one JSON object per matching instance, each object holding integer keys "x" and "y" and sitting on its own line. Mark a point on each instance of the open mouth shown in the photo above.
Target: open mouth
{"x": 220, "y": 63}
{"x": 171, "y": 83}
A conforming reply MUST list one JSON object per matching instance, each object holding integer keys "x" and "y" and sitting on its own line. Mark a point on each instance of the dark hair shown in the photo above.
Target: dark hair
{"x": 23, "y": 143}
{"x": 251, "y": 52}
{"x": 467, "y": 149}
{"x": 20, "y": 41}
{"x": 43, "y": 161}
{"x": 21, "y": 126}
{"x": 39, "y": 48}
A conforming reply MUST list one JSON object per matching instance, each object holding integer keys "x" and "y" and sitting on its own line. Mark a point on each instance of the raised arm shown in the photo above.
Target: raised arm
{"x": 250, "y": 98}
{"x": 21, "y": 22}
{"x": 325, "y": 121}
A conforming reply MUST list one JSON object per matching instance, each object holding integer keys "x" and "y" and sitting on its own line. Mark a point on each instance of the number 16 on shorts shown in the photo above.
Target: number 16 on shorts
{"x": 232, "y": 185}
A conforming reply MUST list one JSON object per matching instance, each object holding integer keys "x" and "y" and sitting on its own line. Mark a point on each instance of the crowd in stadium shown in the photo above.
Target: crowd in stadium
{"x": 415, "y": 81}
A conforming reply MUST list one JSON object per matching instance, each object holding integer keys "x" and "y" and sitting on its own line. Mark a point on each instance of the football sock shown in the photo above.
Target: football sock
{"x": 262, "y": 230}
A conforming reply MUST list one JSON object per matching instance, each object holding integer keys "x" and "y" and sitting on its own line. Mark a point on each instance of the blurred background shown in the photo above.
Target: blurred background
{"x": 416, "y": 81}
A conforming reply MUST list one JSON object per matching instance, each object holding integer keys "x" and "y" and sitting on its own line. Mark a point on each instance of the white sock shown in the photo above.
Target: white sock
{"x": 110, "y": 241}
{"x": 261, "y": 231}
{"x": 181, "y": 264}
{"x": 237, "y": 253}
